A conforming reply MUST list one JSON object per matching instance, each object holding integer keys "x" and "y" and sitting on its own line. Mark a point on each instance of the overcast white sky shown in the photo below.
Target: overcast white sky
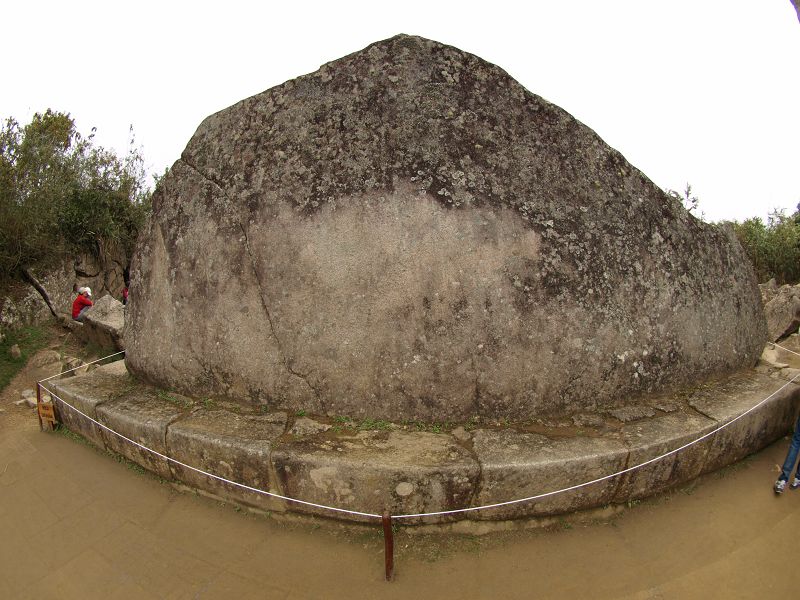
{"x": 699, "y": 91}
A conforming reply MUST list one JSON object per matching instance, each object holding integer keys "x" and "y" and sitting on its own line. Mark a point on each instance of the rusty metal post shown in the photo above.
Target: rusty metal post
{"x": 388, "y": 543}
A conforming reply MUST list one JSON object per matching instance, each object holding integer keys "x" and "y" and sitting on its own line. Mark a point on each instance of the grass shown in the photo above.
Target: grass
{"x": 179, "y": 402}
{"x": 374, "y": 424}
{"x": 429, "y": 427}
{"x": 29, "y": 339}
{"x": 71, "y": 435}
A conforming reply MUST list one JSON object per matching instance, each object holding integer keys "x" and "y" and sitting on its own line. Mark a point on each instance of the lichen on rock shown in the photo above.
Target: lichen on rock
{"x": 408, "y": 233}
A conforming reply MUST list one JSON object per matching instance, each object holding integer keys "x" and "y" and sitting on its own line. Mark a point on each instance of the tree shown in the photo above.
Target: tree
{"x": 59, "y": 192}
{"x": 774, "y": 247}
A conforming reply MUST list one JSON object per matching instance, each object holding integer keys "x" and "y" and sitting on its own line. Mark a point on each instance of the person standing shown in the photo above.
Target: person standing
{"x": 788, "y": 464}
{"x": 82, "y": 303}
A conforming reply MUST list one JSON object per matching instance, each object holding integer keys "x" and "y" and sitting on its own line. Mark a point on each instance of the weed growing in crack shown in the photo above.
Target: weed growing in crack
{"x": 179, "y": 402}
{"x": 374, "y": 424}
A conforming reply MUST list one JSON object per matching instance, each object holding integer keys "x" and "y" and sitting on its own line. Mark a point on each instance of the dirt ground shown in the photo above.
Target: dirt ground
{"x": 77, "y": 523}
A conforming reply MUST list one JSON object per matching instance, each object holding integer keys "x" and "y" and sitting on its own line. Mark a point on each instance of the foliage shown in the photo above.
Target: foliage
{"x": 59, "y": 192}
{"x": 774, "y": 247}
{"x": 29, "y": 340}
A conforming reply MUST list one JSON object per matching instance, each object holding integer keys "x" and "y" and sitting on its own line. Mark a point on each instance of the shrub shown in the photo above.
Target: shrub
{"x": 59, "y": 192}
{"x": 774, "y": 247}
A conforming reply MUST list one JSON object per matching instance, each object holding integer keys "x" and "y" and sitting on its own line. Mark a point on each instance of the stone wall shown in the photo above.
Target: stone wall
{"x": 406, "y": 471}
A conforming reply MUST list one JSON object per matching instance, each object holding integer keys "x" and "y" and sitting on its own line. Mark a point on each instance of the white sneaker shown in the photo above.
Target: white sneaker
{"x": 795, "y": 483}
{"x": 780, "y": 485}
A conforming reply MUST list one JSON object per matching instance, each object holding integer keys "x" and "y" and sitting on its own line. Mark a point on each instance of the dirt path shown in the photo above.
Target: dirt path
{"x": 76, "y": 523}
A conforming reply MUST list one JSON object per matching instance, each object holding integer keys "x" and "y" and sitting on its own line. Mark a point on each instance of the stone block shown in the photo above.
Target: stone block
{"x": 373, "y": 471}
{"x": 761, "y": 426}
{"x": 142, "y": 416}
{"x": 654, "y": 437}
{"x": 85, "y": 393}
{"x": 104, "y": 323}
{"x": 518, "y": 465}
{"x": 233, "y": 446}
{"x": 783, "y": 312}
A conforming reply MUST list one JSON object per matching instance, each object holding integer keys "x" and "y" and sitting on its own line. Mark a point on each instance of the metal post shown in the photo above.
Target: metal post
{"x": 38, "y": 403}
{"x": 388, "y": 542}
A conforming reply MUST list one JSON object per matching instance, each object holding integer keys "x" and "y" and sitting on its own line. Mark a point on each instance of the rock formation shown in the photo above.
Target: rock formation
{"x": 782, "y": 309}
{"x": 25, "y": 304}
{"x": 104, "y": 323}
{"x": 408, "y": 233}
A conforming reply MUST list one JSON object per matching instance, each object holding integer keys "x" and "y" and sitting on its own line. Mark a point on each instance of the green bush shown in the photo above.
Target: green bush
{"x": 774, "y": 247}
{"x": 59, "y": 192}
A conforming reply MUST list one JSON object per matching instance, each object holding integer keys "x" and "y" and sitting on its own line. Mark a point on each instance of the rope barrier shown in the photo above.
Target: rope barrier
{"x": 782, "y": 348}
{"x": 80, "y": 367}
{"x": 605, "y": 477}
{"x": 206, "y": 473}
{"x": 426, "y": 514}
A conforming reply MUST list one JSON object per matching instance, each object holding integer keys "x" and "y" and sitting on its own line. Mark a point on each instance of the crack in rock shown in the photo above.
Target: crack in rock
{"x": 262, "y": 294}
{"x": 205, "y": 176}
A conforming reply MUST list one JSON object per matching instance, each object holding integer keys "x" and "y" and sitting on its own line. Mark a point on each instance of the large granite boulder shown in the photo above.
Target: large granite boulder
{"x": 408, "y": 233}
{"x": 783, "y": 312}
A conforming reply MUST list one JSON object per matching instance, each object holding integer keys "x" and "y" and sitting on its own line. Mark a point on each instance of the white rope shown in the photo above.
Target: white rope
{"x": 206, "y": 473}
{"x": 782, "y": 348}
{"x": 605, "y": 477}
{"x": 437, "y": 513}
{"x": 80, "y": 367}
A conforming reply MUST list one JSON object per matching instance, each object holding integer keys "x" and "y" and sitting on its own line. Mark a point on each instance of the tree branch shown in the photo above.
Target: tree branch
{"x": 28, "y": 276}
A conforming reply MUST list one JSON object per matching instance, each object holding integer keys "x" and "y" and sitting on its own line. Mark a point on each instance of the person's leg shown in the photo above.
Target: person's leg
{"x": 82, "y": 314}
{"x": 794, "y": 451}
{"x": 788, "y": 464}
{"x": 791, "y": 455}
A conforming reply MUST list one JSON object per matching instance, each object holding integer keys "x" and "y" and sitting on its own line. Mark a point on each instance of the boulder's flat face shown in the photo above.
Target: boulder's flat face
{"x": 407, "y": 234}
{"x": 104, "y": 323}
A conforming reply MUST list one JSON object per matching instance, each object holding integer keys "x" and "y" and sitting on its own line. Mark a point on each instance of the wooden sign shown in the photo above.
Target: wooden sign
{"x": 45, "y": 410}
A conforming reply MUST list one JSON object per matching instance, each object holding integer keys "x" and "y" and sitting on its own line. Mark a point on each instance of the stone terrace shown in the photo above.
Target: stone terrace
{"x": 412, "y": 468}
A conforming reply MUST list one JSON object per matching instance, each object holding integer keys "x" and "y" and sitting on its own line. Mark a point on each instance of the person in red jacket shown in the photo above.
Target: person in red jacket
{"x": 82, "y": 303}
